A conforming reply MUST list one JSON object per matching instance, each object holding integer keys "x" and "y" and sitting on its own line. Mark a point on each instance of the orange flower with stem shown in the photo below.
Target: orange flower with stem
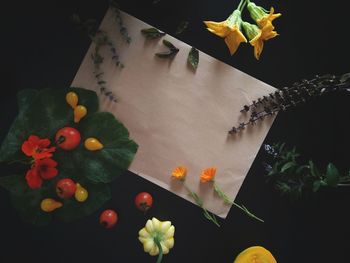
{"x": 230, "y": 29}
{"x": 208, "y": 175}
{"x": 257, "y": 36}
{"x": 179, "y": 173}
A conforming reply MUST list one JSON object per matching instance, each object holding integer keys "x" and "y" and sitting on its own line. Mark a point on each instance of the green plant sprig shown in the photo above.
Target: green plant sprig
{"x": 199, "y": 202}
{"x": 293, "y": 179}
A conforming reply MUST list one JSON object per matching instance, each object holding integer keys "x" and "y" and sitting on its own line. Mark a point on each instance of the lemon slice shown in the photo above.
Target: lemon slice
{"x": 255, "y": 254}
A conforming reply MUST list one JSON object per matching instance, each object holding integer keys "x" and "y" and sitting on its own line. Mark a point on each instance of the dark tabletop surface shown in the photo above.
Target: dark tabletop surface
{"x": 40, "y": 47}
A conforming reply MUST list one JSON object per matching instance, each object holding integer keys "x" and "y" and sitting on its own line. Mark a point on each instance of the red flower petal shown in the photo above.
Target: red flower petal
{"x": 46, "y": 153}
{"x": 43, "y": 143}
{"x": 33, "y": 179}
{"x": 49, "y": 173}
{"x": 46, "y": 168}
{"x": 27, "y": 148}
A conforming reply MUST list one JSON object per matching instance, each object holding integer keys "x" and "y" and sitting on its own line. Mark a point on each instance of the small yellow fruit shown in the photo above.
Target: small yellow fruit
{"x": 49, "y": 205}
{"x": 92, "y": 144}
{"x": 255, "y": 254}
{"x": 81, "y": 194}
{"x": 79, "y": 112}
{"x": 72, "y": 99}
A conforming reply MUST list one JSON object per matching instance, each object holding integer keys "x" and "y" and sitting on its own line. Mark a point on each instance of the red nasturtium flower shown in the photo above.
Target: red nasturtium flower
{"x": 44, "y": 169}
{"x": 37, "y": 148}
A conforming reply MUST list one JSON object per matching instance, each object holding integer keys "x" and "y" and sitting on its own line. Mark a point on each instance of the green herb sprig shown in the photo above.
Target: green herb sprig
{"x": 293, "y": 179}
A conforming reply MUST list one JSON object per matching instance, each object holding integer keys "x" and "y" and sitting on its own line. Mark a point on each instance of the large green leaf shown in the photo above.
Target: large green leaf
{"x": 115, "y": 157}
{"x": 42, "y": 113}
{"x": 15, "y": 184}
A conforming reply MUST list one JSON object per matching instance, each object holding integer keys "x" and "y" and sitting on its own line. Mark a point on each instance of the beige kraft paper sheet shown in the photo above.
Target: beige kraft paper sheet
{"x": 176, "y": 115}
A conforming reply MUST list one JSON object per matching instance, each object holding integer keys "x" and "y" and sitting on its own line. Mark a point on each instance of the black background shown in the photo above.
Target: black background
{"x": 40, "y": 47}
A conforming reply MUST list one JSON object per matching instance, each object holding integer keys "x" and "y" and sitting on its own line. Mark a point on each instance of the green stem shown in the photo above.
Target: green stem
{"x": 160, "y": 255}
{"x": 228, "y": 201}
{"x": 199, "y": 202}
{"x": 22, "y": 161}
{"x": 241, "y": 7}
{"x": 343, "y": 184}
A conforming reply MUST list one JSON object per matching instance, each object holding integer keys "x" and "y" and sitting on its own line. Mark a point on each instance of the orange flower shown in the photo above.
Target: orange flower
{"x": 179, "y": 173}
{"x": 208, "y": 175}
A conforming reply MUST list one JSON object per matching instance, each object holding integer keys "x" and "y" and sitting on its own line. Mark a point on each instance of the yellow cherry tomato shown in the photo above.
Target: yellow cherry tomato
{"x": 49, "y": 205}
{"x": 79, "y": 112}
{"x": 81, "y": 194}
{"x": 255, "y": 254}
{"x": 72, "y": 99}
{"x": 92, "y": 144}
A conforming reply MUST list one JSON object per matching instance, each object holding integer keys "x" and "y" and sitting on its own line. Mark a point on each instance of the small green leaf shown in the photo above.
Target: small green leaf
{"x": 169, "y": 45}
{"x": 193, "y": 58}
{"x": 332, "y": 175}
{"x": 316, "y": 185}
{"x": 152, "y": 33}
{"x": 181, "y": 27}
{"x": 287, "y": 166}
{"x": 167, "y": 54}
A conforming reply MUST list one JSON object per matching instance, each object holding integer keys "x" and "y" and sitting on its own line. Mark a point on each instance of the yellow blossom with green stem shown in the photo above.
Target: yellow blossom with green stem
{"x": 179, "y": 173}
{"x": 257, "y": 36}
{"x": 157, "y": 237}
{"x": 230, "y": 29}
{"x": 208, "y": 175}
{"x": 260, "y": 15}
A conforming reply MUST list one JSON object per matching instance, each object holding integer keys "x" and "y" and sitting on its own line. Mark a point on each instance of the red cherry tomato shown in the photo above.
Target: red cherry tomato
{"x": 108, "y": 218}
{"x": 65, "y": 188}
{"x": 143, "y": 201}
{"x": 67, "y": 138}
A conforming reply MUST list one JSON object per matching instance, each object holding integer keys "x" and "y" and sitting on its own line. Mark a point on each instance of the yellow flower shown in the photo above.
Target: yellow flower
{"x": 260, "y": 15}
{"x": 267, "y": 18}
{"x": 179, "y": 173}
{"x": 157, "y": 237}
{"x": 208, "y": 175}
{"x": 257, "y": 36}
{"x": 230, "y": 29}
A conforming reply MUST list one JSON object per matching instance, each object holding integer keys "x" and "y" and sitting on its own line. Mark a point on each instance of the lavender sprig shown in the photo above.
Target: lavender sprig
{"x": 288, "y": 97}
{"x": 117, "y": 15}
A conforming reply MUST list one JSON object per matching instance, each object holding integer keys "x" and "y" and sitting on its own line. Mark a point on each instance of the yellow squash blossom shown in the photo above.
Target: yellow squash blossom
{"x": 179, "y": 173}
{"x": 260, "y": 15}
{"x": 157, "y": 237}
{"x": 257, "y": 36}
{"x": 208, "y": 175}
{"x": 230, "y": 29}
